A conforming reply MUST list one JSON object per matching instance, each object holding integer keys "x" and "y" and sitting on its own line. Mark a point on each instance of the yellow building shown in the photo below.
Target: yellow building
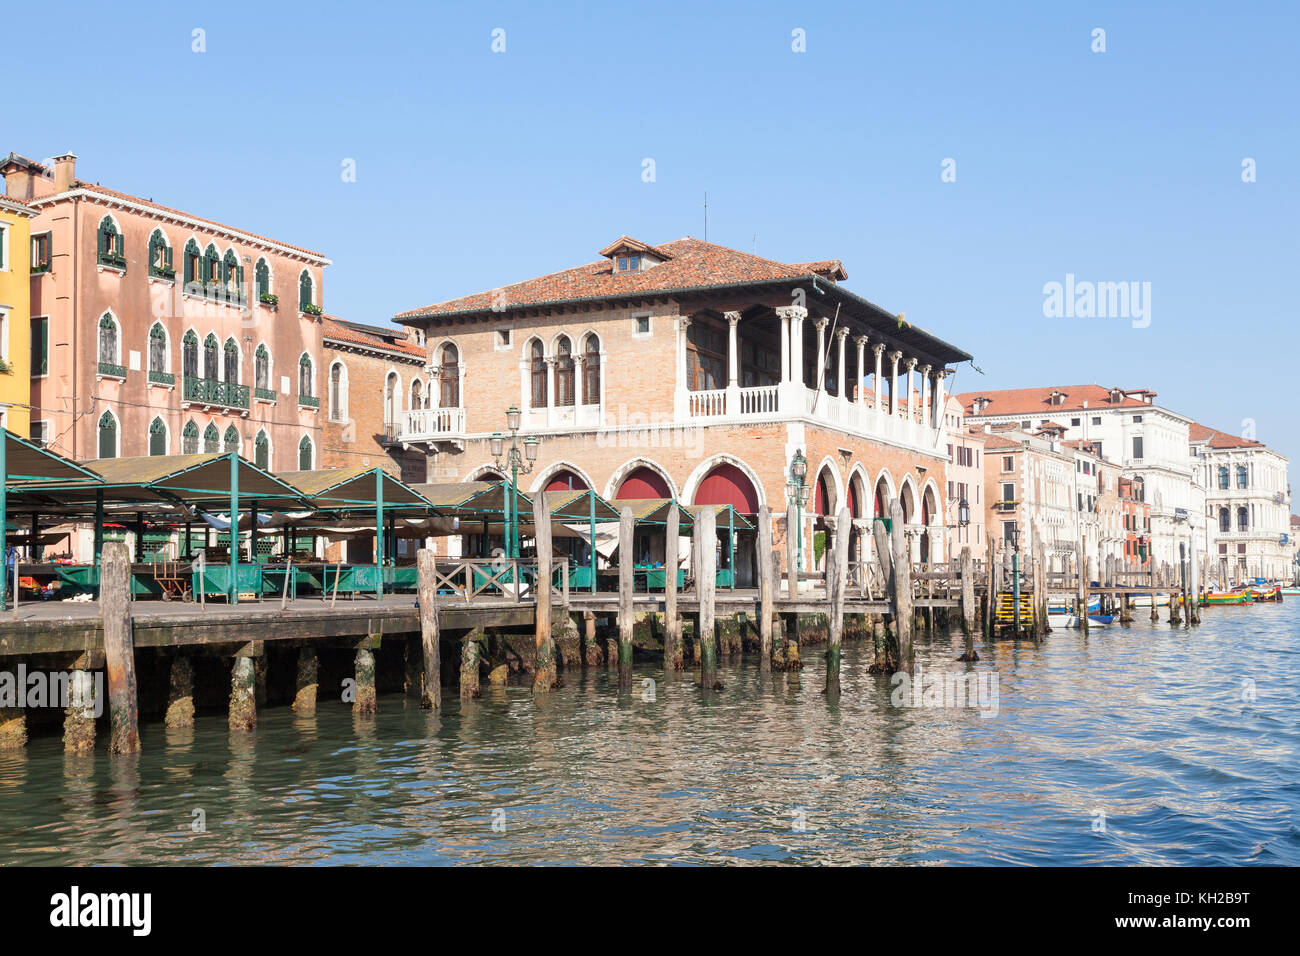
{"x": 15, "y": 315}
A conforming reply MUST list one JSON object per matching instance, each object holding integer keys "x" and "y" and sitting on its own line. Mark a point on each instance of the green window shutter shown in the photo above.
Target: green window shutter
{"x": 40, "y": 346}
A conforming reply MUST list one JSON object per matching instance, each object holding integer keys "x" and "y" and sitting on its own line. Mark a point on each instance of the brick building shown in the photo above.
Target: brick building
{"x": 692, "y": 370}
{"x": 159, "y": 332}
{"x": 964, "y": 514}
{"x": 372, "y": 376}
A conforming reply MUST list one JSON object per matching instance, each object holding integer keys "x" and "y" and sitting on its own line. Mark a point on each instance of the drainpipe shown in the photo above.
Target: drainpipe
{"x": 75, "y": 350}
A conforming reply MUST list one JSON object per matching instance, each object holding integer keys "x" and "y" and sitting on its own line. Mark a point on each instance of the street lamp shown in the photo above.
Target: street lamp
{"x": 963, "y": 513}
{"x": 797, "y": 491}
{"x": 519, "y": 462}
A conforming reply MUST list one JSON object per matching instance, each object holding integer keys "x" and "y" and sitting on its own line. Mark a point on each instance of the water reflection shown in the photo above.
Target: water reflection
{"x": 1149, "y": 728}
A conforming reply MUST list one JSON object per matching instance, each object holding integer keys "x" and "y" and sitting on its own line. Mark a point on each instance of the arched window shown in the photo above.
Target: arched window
{"x": 160, "y": 256}
{"x": 108, "y": 344}
{"x": 304, "y": 454}
{"x": 591, "y": 370}
{"x": 1243, "y": 519}
{"x": 564, "y": 372}
{"x": 262, "y": 277}
{"x": 157, "y": 348}
{"x": 211, "y": 268}
{"x": 210, "y": 349}
{"x": 392, "y": 400}
{"x": 262, "y": 367}
{"x": 107, "y": 436}
{"x": 338, "y": 393}
{"x": 417, "y": 394}
{"x": 537, "y": 370}
{"x": 232, "y": 361}
{"x": 1243, "y": 480}
{"x": 262, "y": 451}
{"x": 190, "y": 439}
{"x": 211, "y": 439}
{"x": 1223, "y": 477}
{"x": 232, "y": 276}
{"x": 157, "y": 437}
{"x": 193, "y": 263}
{"x": 190, "y": 354}
{"x": 304, "y": 375}
{"x": 1225, "y": 520}
{"x": 305, "y": 297}
{"x": 449, "y": 377}
{"x": 231, "y": 442}
{"x": 112, "y": 252}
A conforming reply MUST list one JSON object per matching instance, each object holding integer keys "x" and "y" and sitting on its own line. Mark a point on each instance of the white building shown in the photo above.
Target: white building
{"x": 1144, "y": 439}
{"x": 1247, "y": 506}
{"x": 963, "y": 515}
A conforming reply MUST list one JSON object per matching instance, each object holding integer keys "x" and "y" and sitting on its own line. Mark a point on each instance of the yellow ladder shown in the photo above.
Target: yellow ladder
{"x": 1004, "y": 610}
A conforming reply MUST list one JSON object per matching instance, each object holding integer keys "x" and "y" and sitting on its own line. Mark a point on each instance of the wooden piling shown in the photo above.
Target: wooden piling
{"x": 305, "y": 682}
{"x": 180, "y": 693}
{"x": 243, "y": 695}
{"x": 590, "y": 648}
{"x": 364, "y": 704}
{"x": 885, "y": 555}
{"x": 544, "y": 673}
{"x": 766, "y": 601}
{"x": 791, "y": 553}
{"x": 79, "y": 717}
{"x": 626, "y": 594}
{"x": 968, "y": 603}
{"x": 430, "y": 640}
{"x": 469, "y": 658}
{"x": 706, "y": 586}
{"x": 902, "y": 579}
{"x": 119, "y": 648}
{"x": 672, "y": 619}
{"x": 838, "y": 580}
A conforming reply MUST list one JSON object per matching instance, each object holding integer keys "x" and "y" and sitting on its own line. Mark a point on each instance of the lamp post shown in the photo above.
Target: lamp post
{"x": 797, "y": 493}
{"x": 518, "y": 462}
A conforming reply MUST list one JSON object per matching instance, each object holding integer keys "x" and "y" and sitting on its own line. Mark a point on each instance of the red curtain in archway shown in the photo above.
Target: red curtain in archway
{"x": 643, "y": 483}
{"x": 728, "y": 485}
{"x": 822, "y": 498}
{"x": 853, "y": 498}
{"x": 565, "y": 481}
{"x": 881, "y": 503}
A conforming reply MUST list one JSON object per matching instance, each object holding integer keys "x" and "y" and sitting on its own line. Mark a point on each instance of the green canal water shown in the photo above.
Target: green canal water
{"x": 1141, "y": 745}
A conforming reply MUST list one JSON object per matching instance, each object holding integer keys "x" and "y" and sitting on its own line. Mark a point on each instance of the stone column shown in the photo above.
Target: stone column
{"x": 550, "y": 390}
{"x": 797, "y": 316}
{"x": 879, "y": 349}
{"x": 911, "y": 407}
{"x": 938, "y": 397}
{"x": 893, "y": 378}
{"x": 861, "y": 341}
{"x": 821, "y": 352}
{"x": 603, "y": 361}
{"x": 682, "y": 392}
{"x": 733, "y": 363}
{"x": 927, "y": 396}
{"x": 783, "y": 317}
{"x": 842, "y": 393}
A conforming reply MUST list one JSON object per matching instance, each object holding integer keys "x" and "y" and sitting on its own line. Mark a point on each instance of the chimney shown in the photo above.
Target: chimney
{"x": 65, "y": 172}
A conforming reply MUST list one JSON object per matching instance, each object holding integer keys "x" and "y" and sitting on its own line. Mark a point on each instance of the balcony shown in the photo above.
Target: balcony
{"x": 308, "y": 401}
{"x": 209, "y": 393}
{"x": 431, "y": 425}
{"x": 161, "y": 378}
{"x": 775, "y": 402}
{"x": 109, "y": 370}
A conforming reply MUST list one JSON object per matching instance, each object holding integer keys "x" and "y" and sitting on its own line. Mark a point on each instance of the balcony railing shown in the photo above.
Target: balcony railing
{"x": 308, "y": 401}
{"x": 111, "y": 370}
{"x": 429, "y": 424}
{"x": 208, "y": 391}
{"x": 264, "y": 394}
{"x": 162, "y": 378}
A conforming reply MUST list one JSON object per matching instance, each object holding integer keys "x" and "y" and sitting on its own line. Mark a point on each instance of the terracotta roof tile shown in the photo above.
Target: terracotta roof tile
{"x": 334, "y": 328}
{"x": 694, "y": 264}
{"x": 1216, "y": 439}
{"x": 1037, "y": 401}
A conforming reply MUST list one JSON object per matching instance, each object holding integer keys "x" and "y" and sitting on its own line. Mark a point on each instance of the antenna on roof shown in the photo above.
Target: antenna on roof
{"x": 706, "y": 215}
{"x": 755, "y": 244}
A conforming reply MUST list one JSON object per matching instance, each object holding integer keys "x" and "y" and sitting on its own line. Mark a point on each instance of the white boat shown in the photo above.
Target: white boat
{"x": 1144, "y": 600}
{"x": 1070, "y": 621}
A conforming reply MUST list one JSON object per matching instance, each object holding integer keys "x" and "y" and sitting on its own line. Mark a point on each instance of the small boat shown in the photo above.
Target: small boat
{"x": 1289, "y": 591}
{"x": 1071, "y": 620}
{"x": 1225, "y": 597}
{"x": 1146, "y": 600}
{"x": 1265, "y": 592}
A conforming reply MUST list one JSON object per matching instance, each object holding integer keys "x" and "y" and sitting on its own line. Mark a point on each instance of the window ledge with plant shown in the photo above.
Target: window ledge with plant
{"x": 312, "y": 309}
{"x": 6, "y": 367}
{"x": 269, "y": 299}
{"x": 112, "y": 263}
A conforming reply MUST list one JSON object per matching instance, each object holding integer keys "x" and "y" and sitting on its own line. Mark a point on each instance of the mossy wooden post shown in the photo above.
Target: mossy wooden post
{"x": 79, "y": 718}
{"x": 902, "y": 582}
{"x": 885, "y": 556}
{"x": 990, "y": 587}
{"x": 544, "y": 676}
{"x": 672, "y": 620}
{"x": 431, "y": 685}
{"x": 305, "y": 682}
{"x": 838, "y": 569}
{"x": 119, "y": 648}
{"x": 792, "y": 553}
{"x": 1040, "y": 587}
{"x": 765, "y": 595}
{"x": 706, "y": 537}
{"x": 243, "y": 694}
{"x": 968, "y": 602}
{"x": 180, "y": 693}
{"x": 469, "y": 658}
{"x": 365, "y": 703}
{"x": 626, "y": 586}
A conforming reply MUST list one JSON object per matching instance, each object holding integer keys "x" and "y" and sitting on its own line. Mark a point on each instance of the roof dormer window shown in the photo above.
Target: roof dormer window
{"x": 629, "y": 263}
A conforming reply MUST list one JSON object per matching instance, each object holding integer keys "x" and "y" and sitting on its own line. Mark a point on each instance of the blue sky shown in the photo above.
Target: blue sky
{"x": 475, "y": 169}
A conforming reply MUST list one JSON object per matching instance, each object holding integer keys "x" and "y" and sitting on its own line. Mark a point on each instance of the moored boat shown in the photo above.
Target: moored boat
{"x": 1226, "y": 597}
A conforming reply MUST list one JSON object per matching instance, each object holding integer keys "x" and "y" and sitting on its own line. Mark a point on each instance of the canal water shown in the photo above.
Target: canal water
{"x": 1140, "y": 745}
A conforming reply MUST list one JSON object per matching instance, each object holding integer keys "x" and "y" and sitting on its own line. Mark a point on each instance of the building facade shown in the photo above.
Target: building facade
{"x": 15, "y": 314}
{"x": 372, "y": 376}
{"x": 165, "y": 333}
{"x": 694, "y": 371}
{"x": 1247, "y": 506}
{"x": 964, "y": 514}
{"x": 1145, "y": 440}
{"x": 1029, "y": 485}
